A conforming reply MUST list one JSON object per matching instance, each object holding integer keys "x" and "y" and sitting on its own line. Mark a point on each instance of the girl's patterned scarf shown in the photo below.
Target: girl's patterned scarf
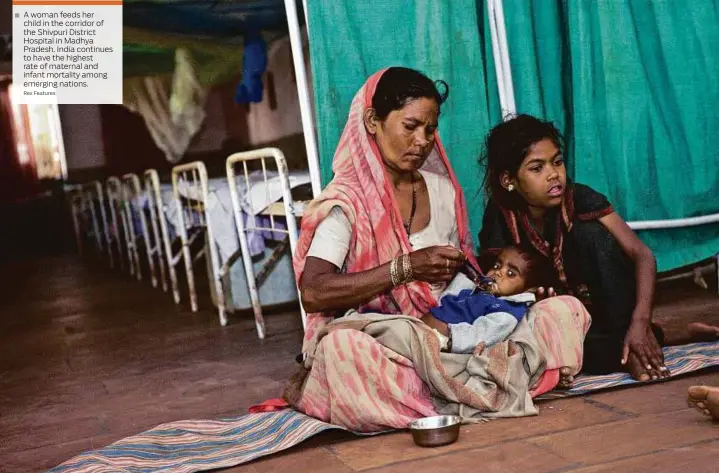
{"x": 362, "y": 190}
{"x": 516, "y": 219}
{"x": 519, "y": 219}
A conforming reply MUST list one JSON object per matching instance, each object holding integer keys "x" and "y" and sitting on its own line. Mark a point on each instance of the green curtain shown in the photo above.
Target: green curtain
{"x": 634, "y": 86}
{"x": 351, "y": 40}
{"x": 631, "y": 83}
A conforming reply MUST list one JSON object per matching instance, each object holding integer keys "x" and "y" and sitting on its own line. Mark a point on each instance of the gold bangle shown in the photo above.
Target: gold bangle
{"x": 407, "y": 267}
{"x": 393, "y": 273}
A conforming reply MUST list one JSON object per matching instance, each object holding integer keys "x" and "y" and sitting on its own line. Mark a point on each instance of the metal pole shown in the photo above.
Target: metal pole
{"x": 307, "y": 18}
{"x": 304, "y": 96}
{"x": 500, "y": 52}
{"x": 674, "y": 223}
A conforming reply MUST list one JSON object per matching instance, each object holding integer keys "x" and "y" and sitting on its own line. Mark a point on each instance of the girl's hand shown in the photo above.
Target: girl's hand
{"x": 641, "y": 342}
{"x": 542, "y": 293}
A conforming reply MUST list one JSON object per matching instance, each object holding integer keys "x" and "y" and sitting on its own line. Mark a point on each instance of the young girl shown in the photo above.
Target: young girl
{"x": 595, "y": 254}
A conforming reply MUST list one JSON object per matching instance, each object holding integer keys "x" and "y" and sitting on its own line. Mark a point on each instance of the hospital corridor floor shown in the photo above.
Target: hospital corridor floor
{"x": 89, "y": 355}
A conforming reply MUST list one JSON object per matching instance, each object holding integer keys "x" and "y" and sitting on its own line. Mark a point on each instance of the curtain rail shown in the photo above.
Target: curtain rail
{"x": 674, "y": 223}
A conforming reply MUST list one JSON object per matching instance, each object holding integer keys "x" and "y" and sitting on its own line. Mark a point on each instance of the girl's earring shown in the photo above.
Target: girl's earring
{"x": 510, "y": 187}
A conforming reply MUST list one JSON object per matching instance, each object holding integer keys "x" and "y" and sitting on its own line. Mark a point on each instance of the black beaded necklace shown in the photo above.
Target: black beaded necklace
{"x": 408, "y": 225}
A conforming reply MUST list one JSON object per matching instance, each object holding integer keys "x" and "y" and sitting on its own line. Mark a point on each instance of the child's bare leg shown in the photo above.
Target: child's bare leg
{"x": 436, "y": 324}
{"x": 706, "y": 400}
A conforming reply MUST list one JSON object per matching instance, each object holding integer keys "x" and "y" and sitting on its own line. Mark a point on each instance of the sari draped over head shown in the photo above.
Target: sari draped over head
{"x": 362, "y": 189}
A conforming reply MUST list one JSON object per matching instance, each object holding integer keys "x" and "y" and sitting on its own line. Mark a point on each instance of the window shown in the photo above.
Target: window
{"x": 39, "y": 137}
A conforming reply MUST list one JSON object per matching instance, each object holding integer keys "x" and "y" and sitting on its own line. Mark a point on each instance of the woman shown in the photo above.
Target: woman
{"x": 385, "y": 236}
{"x": 597, "y": 257}
{"x": 393, "y": 194}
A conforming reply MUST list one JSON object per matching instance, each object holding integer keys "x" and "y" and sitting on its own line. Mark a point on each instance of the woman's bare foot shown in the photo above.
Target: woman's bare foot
{"x": 706, "y": 400}
{"x": 700, "y": 332}
{"x": 565, "y": 379}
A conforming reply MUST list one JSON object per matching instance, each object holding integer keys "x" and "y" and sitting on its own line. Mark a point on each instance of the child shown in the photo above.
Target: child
{"x": 490, "y": 312}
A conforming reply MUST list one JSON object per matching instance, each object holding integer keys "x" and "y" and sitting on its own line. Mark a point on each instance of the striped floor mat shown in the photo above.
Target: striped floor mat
{"x": 201, "y": 445}
{"x": 680, "y": 360}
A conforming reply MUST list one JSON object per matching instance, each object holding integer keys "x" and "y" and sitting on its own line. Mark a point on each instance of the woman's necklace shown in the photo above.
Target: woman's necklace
{"x": 408, "y": 226}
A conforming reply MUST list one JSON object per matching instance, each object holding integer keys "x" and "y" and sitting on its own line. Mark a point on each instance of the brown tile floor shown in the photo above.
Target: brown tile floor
{"x": 88, "y": 356}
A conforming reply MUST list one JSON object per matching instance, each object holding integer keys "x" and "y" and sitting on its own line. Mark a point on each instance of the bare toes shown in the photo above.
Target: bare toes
{"x": 636, "y": 370}
{"x": 701, "y": 332}
{"x": 699, "y": 393}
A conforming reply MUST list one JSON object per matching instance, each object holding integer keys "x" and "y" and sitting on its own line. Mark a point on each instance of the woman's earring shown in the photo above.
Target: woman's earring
{"x": 510, "y": 187}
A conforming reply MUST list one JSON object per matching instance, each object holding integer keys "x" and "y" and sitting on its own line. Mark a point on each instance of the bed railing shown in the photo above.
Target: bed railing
{"x": 99, "y": 195}
{"x": 141, "y": 201}
{"x": 290, "y": 213}
{"x": 159, "y": 247}
{"x": 192, "y": 214}
{"x": 75, "y": 201}
{"x": 130, "y": 192}
{"x": 118, "y": 229}
{"x": 88, "y": 215}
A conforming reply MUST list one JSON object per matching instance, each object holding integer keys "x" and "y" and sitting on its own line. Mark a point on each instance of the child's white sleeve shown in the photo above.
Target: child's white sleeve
{"x": 490, "y": 329}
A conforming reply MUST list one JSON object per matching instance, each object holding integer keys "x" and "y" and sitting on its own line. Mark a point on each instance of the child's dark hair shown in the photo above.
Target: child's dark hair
{"x": 399, "y": 85}
{"x": 540, "y": 272}
{"x": 505, "y": 148}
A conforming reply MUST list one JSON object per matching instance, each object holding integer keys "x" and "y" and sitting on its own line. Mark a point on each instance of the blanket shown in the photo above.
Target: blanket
{"x": 491, "y": 382}
{"x": 372, "y": 372}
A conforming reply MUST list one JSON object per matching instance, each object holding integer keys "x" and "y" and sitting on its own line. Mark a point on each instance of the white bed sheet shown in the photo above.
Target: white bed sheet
{"x": 219, "y": 207}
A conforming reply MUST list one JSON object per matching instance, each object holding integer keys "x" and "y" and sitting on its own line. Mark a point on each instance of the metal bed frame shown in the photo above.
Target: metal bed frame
{"x": 191, "y": 214}
{"x": 289, "y": 210}
{"x": 158, "y": 247}
{"x": 118, "y": 227}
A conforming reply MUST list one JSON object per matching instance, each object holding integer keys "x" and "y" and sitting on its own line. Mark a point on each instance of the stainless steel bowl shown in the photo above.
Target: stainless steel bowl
{"x": 435, "y": 431}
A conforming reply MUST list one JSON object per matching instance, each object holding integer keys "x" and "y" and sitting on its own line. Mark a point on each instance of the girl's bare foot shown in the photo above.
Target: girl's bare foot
{"x": 689, "y": 333}
{"x": 705, "y": 399}
{"x": 636, "y": 370}
{"x": 700, "y": 332}
{"x": 565, "y": 379}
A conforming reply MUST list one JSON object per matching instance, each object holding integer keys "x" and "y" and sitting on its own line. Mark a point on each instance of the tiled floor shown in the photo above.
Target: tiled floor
{"x": 88, "y": 356}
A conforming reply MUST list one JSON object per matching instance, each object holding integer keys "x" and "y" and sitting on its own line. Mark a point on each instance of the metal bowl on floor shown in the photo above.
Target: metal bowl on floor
{"x": 435, "y": 431}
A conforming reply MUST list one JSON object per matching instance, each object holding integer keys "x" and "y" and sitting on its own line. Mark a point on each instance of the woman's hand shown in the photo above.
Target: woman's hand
{"x": 436, "y": 263}
{"x": 641, "y": 343}
{"x": 436, "y": 324}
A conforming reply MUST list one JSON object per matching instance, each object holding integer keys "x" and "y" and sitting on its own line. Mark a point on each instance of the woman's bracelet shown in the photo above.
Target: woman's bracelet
{"x": 407, "y": 274}
{"x": 393, "y": 273}
{"x": 407, "y": 268}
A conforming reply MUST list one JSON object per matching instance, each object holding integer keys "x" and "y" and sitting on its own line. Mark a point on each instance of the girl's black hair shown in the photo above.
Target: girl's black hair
{"x": 506, "y": 147}
{"x": 399, "y": 85}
